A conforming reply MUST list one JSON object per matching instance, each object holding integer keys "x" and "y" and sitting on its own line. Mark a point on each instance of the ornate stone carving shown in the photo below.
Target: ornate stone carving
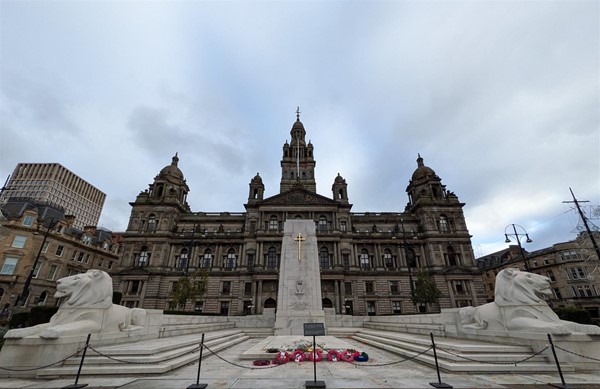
{"x": 88, "y": 308}
{"x": 519, "y": 306}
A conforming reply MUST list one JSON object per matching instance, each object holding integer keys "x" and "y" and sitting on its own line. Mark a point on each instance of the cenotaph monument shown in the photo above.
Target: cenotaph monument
{"x": 299, "y": 295}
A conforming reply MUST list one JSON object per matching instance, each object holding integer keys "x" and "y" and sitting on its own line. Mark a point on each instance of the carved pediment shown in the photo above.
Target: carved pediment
{"x": 298, "y": 196}
{"x": 134, "y": 271}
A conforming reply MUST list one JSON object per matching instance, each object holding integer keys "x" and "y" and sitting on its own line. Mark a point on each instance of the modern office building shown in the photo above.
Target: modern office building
{"x": 53, "y": 184}
{"x": 370, "y": 263}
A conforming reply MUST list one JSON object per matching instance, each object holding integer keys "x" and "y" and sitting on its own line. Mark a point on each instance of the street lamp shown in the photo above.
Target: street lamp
{"x": 517, "y": 237}
{"x": 25, "y": 292}
{"x": 409, "y": 255}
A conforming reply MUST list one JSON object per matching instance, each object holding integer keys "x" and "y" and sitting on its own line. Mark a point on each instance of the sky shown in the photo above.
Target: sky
{"x": 500, "y": 98}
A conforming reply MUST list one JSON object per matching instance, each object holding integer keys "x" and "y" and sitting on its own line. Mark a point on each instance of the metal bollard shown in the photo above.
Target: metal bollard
{"x": 438, "y": 384}
{"x": 563, "y": 385}
{"x": 197, "y": 385}
{"x": 76, "y": 385}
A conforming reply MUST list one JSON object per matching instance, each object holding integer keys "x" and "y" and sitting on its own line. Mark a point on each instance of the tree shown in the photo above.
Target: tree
{"x": 425, "y": 292}
{"x": 188, "y": 287}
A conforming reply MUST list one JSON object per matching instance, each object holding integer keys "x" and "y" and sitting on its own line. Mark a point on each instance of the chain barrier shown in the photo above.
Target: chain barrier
{"x": 392, "y": 363}
{"x": 574, "y": 353}
{"x": 142, "y": 363}
{"x": 493, "y": 363}
{"x": 43, "y": 367}
{"x": 238, "y": 365}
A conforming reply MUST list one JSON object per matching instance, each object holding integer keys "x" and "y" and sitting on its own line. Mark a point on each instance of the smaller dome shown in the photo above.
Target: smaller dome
{"x": 422, "y": 171}
{"x": 172, "y": 169}
{"x": 339, "y": 180}
{"x": 257, "y": 179}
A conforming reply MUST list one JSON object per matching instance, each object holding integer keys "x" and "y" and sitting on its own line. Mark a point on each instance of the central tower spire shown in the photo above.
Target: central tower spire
{"x": 298, "y": 164}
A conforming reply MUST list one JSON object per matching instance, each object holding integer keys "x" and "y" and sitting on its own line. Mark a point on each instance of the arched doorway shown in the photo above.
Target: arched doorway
{"x": 327, "y": 303}
{"x": 270, "y": 303}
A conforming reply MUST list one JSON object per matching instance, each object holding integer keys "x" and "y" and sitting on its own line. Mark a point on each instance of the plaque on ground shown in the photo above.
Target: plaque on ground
{"x": 314, "y": 329}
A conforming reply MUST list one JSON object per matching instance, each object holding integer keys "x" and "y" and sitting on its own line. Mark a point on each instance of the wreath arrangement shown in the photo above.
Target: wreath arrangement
{"x": 281, "y": 358}
{"x": 261, "y": 362}
{"x": 363, "y": 357}
{"x": 298, "y": 356}
{"x": 349, "y": 355}
{"x": 315, "y": 356}
{"x": 334, "y": 355}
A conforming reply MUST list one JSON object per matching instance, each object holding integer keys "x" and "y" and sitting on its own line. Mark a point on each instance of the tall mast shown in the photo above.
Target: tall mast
{"x": 585, "y": 223}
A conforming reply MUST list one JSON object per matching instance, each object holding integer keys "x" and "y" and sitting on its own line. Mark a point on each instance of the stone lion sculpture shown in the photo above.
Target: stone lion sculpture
{"x": 88, "y": 308}
{"x": 519, "y": 306}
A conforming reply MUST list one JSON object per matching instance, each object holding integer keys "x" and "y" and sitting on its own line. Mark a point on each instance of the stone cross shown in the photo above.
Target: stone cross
{"x": 299, "y": 238}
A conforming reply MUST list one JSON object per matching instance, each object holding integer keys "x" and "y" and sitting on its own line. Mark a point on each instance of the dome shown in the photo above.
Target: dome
{"x": 257, "y": 179}
{"x": 172, "y": 169}
{"x": 339, "y": 180}
{"x": 422, "y": 171}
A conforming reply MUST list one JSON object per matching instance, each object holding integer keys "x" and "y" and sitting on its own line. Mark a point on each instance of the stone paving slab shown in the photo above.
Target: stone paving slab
{"x": 339, "y": 375}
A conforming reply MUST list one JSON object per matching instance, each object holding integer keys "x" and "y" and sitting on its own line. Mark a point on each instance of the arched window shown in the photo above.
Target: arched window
{"x": 327, "y": 303}
{"x": 365, "y": 261}
{"x": 388, "y": 260}
{"x": 272, "y": 258}
{"x": 443, "y": 224}
{"x": 231, "y": 261}
{"x": 42, "y": 298}
{"x": 144, "y": 258}
{"x": 207, "y": 259}
{"x": 152, "y": 223}
{"x": 273, "y": 223}
{"x": 324, "y": 258}
{"x": 322, "y": 223}
{"x": 182, "y": 263}
{"x": 452, "y": 257}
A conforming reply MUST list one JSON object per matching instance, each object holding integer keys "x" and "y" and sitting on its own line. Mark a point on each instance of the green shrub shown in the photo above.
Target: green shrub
{"x": 116, "y": 299}
{"x": 576, "y": 315}
{"x": 19, "y": 320}
{"x": 41, "y": 314}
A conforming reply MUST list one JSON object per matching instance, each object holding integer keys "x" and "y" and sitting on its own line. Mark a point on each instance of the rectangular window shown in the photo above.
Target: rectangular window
{"x": 397, "y": 307}
{"x": 45, "y": 247}
{"x": 80, "y": 257}
{"x": 343, "y": 226}
{"x": 224, "y": 308}
{"x": 52, "y": 272}
{"x": 371, "y": 308}
{"x": 394, "y": 287}
{"x": 364, "y": 261}
{"x": 36, "y": 270}
{"x": 550, "y": 275}
{"x": 346, "y": 261}
{"x": 369, "y": 287}
{"x": 28, "y": 221}
{"x": 557, "y": 293}
{"x": 546, "y": 261}
{"x": 250, "y": 261}
{"x": 110, "y": 265}
{"x": 199, "y": 306}
{"x": 135, "y": 287}
{"x": 348, "y": 288}
{"x": 74, "y": 256}
{"x": 59, "y": 250}
{"x": 388, "y": 260}
{"x": 247, "y": 288}
{"x": 8, "y": 268}
{"x": 231, "y": 262}
{"x": 19, "y": 241}
{"x": 226, "y": 287}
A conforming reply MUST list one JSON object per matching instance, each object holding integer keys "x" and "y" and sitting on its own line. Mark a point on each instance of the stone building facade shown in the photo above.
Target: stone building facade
{"x": 572, "y": 267}
{"x": 369, "y": 261}
{"x": 38, "y": 236}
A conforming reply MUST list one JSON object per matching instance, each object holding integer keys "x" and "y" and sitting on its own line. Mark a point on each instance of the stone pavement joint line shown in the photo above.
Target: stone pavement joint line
{"x": 338, "y": 375}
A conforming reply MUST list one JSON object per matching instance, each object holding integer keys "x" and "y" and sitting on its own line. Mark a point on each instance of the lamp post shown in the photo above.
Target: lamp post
{"x": 409, "y": 255}
{"x": 25, "y": 292}
{"x": 517, "y": 237}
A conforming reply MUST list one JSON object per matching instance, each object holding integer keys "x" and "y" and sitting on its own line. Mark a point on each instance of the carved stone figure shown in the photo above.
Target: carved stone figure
{"x": 519, "y": 306}
{"x": 88, "y": 308}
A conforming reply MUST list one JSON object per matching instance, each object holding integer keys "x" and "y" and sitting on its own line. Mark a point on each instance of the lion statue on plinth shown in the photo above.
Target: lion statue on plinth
{"x": 88, "y": 308}
{"x": 519, "y": 306}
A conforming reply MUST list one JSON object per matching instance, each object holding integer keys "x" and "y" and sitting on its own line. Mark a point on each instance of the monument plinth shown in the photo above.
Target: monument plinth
{"x": 299, "y": 295}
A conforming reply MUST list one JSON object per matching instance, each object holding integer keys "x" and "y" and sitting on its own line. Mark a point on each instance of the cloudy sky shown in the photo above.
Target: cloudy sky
{"x": 500, "y": 98}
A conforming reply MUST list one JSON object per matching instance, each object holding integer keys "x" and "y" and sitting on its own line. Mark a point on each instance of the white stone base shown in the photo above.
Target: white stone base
{"x": 292, "y": 322}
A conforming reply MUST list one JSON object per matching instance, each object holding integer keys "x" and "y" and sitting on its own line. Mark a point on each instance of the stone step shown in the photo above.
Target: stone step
{"x": 167, "y": 360}
{"x": 260, "y": 332}
{"x": 424, "y": 329}
{"x": 342, "y": 332}
{"x": 453, "y": 363}
{"x": 170, "y": 330}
